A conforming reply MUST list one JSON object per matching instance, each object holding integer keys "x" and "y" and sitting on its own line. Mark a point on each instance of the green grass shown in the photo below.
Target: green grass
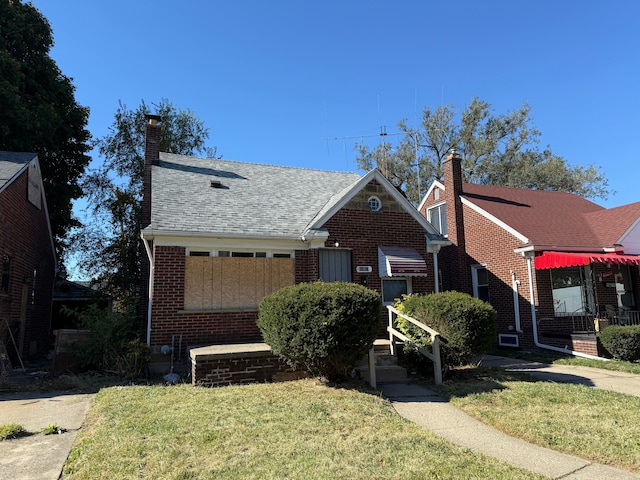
{"x": 594, "y": 424}
{"x": 292, "y": 430}
{"x": 560, "y": 359}
{"x": 12, "y": 430}
{"x": 52, "y": 429}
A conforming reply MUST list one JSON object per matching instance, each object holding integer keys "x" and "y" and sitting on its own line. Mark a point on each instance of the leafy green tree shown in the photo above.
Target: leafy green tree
{"x": 39, "y": 113}
{"x": 109, "y": 244}
{"x": 495, "y": 150}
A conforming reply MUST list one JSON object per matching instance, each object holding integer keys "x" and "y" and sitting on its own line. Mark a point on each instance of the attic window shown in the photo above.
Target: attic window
{"x": 374, "y": 204}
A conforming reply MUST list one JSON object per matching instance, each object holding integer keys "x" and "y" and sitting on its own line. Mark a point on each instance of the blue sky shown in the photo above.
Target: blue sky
{"x": 276, "y": 82}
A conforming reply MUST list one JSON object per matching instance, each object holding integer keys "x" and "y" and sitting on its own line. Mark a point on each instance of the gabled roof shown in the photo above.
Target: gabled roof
{"x": 222, "y": 198}
{"x": 340, "y": 199}
{"x": 11, "y": 164}
{"x": 549, "y": 219}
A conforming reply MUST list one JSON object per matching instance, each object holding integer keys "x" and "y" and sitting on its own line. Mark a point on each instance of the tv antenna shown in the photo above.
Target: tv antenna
{"x": 383, "y": 133}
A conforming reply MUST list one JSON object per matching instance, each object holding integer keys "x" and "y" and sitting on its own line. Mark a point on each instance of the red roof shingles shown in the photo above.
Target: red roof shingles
{"x": 554, "y": 219}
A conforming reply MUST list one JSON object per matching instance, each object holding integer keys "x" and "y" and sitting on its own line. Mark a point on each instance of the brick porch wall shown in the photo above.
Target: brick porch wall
{"x": 237, "y": 364}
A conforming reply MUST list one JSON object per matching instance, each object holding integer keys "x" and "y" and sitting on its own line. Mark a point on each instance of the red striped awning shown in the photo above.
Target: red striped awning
{"x": 564, "y": 259}
{"x": 401, "y": 261}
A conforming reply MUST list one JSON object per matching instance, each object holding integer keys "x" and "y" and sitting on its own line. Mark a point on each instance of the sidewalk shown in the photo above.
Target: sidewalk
{"x": 38, "y": 456}
{"x": 428, "y": 410}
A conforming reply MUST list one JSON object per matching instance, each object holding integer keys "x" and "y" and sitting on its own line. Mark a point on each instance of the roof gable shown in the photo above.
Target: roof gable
{"x": 341, "y": 199}
{"x": 11, "y": 164}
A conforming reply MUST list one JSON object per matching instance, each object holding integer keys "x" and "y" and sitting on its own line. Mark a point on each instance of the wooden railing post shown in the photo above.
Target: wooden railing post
{"x": 437, "y": 361}
{"x": 392, "y": 342}
{"x": 372, "y": 368}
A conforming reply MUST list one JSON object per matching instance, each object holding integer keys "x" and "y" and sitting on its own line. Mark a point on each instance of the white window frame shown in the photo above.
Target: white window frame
{"x": 229, "y": 252}
{"x": 440, "y": 208}
{"x": 475, "y": 282}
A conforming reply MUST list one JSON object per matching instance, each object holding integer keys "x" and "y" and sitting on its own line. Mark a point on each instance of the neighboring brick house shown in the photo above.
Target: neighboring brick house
{"x": 27, "y": 256}
{"x": 550, "y": 263}
{"x": 221, "y": 235}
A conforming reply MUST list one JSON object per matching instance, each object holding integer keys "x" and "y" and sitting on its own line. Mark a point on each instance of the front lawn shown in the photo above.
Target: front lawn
{"x": 293, "y": 430}
{"x": 594, "y": 424}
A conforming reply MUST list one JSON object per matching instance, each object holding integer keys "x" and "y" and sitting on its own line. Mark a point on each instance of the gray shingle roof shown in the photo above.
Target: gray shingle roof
{"x": 253, "y": 200}
{"x": 11, "y": 163}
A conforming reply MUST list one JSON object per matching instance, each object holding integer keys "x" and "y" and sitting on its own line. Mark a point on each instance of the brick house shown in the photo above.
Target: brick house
{"x": 554, "y": 265}
{"x": 27, "y": 257}
{"x": 220, "y": 235}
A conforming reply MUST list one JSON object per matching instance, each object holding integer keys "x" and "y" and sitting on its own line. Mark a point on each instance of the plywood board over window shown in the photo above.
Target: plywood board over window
{"x": 219, "y": 283}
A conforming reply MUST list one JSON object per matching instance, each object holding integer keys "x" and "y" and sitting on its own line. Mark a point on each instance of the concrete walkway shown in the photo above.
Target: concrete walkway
{"x": 425, "y": 408}
{"x": 38, "y": 456}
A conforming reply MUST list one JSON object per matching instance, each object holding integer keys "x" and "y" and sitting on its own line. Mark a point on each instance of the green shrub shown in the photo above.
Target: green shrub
{"x": 467, "y": 325}
{"x": 623, "y": 343}
{"x": 114, "y": 345}
{"x": 322, "y": 327}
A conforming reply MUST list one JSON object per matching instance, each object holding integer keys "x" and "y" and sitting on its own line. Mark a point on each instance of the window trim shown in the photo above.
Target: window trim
{"x": 442, "y": 215}
{"x": 475, "y": 282}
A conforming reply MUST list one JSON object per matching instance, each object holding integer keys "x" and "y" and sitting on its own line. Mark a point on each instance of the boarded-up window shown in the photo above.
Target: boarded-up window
{"x": 214, "y": 283}
{"x": 334, "y": 265}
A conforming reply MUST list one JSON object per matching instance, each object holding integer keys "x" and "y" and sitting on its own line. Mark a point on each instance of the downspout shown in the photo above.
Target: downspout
{"x": 436, "y": 276}
{"x": 534, "y": 322}
{"x": 150, "y": 257}
{"x": 516, "y": 300}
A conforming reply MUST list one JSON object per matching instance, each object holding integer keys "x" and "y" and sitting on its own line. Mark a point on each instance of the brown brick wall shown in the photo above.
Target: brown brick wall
{"x": 196, "y": 328}
{"x": 214, "y": 371}
{"x": 25, "y": 239}
{"x": 488, "y": 244}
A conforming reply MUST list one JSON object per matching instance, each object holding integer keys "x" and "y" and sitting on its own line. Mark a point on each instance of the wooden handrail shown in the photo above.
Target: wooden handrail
{"x": 434, "y": 355}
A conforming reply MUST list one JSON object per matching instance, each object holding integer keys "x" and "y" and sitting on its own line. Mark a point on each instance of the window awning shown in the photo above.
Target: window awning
{"x": 564, "y": 259}
{"x": 401, "y": 262}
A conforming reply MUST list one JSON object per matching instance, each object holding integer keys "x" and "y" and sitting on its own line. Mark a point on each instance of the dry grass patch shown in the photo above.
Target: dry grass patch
{"x": 594, "y": 424}
{"x": 293, "y": 430}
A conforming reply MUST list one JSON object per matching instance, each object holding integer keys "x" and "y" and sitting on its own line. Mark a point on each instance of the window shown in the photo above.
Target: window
{"x": 480, "y": 279}
{"x": 375, "y": 204}
{"x": 438, "y": 218}
{"x": 569, "y": 289}
{"x": 393, "y": 288}
{"x": 219, "y": 283}
{"x": 198, "y": 254}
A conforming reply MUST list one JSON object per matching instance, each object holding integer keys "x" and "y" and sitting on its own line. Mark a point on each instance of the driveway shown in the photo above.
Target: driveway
{"x": 39, "y": 456}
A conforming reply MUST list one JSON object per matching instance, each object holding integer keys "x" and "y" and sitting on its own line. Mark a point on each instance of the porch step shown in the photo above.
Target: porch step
{"x": 387, "y": 368}
{"x": 385, "y": 374}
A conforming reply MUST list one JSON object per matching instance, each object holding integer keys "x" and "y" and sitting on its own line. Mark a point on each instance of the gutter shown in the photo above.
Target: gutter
{"x": 147, "y": 248}
{"x": 534, "y": 322}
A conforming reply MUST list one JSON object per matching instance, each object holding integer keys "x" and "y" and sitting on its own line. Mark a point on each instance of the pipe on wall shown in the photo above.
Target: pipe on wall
{"x": 534, "y": 322}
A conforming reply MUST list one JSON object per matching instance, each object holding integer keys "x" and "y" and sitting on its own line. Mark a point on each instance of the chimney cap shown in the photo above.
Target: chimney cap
{"x": 452, "y": 154}
{"x": 153, "y": 119}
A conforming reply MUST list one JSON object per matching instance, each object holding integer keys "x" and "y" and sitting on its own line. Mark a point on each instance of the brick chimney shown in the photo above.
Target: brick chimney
{"x": 151, "y": 157}
{"x": 455, "y": 219}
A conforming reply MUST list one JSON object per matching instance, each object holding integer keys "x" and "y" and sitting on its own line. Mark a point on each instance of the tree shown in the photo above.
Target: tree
{"x": 496, "y": 150}
{"x": 39, "y": 112}
{"x": 109, "y": 245}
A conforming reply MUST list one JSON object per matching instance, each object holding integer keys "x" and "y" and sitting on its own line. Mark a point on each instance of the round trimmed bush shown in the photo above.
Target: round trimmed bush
{"x": 322, "y": 327}
{"x": 467, "y": 325}
{"x": 623, "y": 343}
